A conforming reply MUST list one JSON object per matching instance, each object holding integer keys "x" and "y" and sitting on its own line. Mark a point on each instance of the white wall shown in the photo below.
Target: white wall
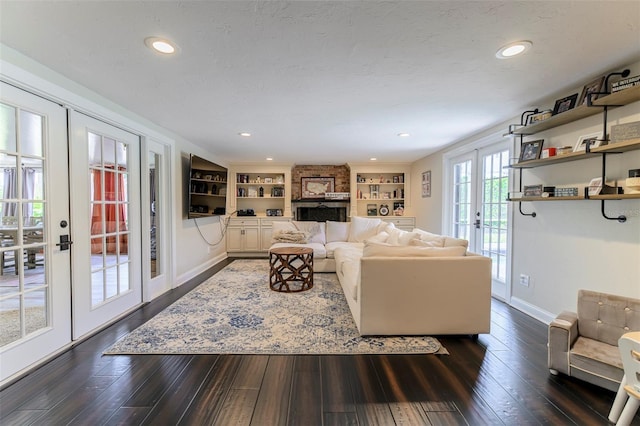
{"x": 569, "y": 245}
{"x": 191, "y": 254}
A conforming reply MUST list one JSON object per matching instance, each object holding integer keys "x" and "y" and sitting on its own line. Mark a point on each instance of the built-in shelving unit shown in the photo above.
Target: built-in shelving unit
{"x": 380, "y": 194}
{"x": 207, "y": 189}
{"x": 600, "y": 105}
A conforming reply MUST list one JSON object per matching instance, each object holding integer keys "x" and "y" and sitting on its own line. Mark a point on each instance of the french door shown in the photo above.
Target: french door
{"x": 35, "y": 274}
{"x": 105, "y": 183}
{"x": 479, "y": 185}
{"x": 156, "y": 207}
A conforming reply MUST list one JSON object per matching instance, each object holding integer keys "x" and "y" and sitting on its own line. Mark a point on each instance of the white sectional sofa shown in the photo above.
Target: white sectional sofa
{"x": 398, "y": 282}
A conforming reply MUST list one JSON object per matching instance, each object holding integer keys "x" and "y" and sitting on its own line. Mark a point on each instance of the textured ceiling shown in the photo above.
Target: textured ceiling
{"x": 321, "y": 82}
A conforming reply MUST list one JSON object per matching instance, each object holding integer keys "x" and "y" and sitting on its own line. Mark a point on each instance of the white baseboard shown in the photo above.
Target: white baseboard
{"x": 183, "y": 278}
{"x": 532, "y": 310}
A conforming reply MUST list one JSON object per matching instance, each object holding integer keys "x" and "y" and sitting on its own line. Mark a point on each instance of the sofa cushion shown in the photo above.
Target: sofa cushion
{"x": 429, "y": 237}
{"x": 337, "y": 231}
{"x": 380, "y": 237}
{"x": 398, "y": 237}
{"x": 388, "y": 250}
{"x": 351, "y": 279}
{"x": 432, "y": 243}
{"x": 455, "y": 242}
{"x": 319, "y": 252}
{"x": 362, "y": 228}
{"x": 331, "y": 247}
{"x": 315, "y": 230}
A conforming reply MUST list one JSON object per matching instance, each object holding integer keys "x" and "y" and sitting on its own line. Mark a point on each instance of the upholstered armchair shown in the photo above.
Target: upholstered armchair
{"x": 585, "y": 344}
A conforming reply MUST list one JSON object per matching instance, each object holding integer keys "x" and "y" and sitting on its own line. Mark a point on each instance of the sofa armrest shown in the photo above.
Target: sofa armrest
{"x": 563, "y": 332}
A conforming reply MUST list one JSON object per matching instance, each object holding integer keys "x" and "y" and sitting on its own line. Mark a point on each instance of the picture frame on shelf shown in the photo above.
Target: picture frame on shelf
{"x": 426, "y": 184}
{"x": 594, "y": 86}
{"x": 268, "y": 180}
{"x": 317, "y": 187}
{"x": 594, "y": 140}
{"x": 565, "y": 104}
{"x": 372, "y": 210}
{"x": 532, "y": 190}
{"x": 595, "y": 186}
{"x": 531, "y": 150}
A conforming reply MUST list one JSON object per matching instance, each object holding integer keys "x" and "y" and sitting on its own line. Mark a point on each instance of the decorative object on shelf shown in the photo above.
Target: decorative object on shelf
{"x": 197, "y": 175}
{"x": 548, "y": 191}
{"x": 222, "y": 192}
{"x": 426, "y": 184}
{"x": 268, "y": 180}
{"x": 214, "y": 190}
{"x": 337, "y": 195}
{"x": 243, "y": 178}
{"x": 280, "y": 179}
{"x": 564, "y": 150}
{"x": 258, "y": 179}
{"x": 565, "y": 104}
{"x": 541, "y": 116}
{"x": 625, "y": 132}
{"x": 372, "y": 210}
{"x": 398, "y": 208}
{"x": 626, "y": 83}
{"x": 277, "y": 191}
{"x": 594, "y": 140}
{"x": 594, "y": 88}
{"x": 595, "y": 186}
{"x": 261, "y": 192}
{"x": 317, "y": 187}
{"x": 533, "y": 190}
{"x": 274, "y": 212}
{"x": 374, "y": 192}
{"x": 566, "y": 192}
{"x": 242, "y": 192}
{"x": 384, "y": 210}
{"x": 253, "y": 192}
{"x": 531, "y": 150}
{"x": 633, "y": 182}
{"x": 548, "y": 152}
{"x": 396, "y": 179}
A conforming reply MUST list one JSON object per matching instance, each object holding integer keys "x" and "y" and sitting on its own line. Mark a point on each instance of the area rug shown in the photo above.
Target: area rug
{"x": 235, "y": 312}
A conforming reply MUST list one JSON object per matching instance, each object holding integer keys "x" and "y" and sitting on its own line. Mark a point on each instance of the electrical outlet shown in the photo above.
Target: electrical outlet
{"x": 524, "y": 280}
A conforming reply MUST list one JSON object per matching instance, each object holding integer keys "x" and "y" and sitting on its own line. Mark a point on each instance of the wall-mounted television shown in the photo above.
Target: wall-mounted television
{"x": 207, "y": 188}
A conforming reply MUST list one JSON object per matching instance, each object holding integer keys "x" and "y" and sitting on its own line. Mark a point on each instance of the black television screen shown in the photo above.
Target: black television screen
{"x": 207, "y": 188}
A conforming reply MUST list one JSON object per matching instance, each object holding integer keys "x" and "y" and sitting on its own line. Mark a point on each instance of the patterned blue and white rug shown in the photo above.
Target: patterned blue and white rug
{"x": 235, "y": 312}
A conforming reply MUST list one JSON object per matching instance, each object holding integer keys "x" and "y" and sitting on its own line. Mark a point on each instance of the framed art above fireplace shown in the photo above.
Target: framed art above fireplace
{"x": 317, "y": 187}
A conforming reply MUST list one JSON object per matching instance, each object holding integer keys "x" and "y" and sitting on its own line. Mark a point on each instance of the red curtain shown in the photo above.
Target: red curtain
{"x": 114, "y": 211}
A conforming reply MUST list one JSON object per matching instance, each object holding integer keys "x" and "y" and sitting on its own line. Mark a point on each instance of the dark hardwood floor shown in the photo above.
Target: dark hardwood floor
{"x": 501, "y": 378}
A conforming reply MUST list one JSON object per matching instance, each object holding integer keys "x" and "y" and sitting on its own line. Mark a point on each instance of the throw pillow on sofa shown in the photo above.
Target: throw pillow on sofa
{"x": 429, "y": 237}
{"x": 398, "y": 237}
{"x": 337, "y": 231}
{"x": 388, "y": 250}
{"x": 315, "y": 230}
{"x": 362, "y": 228}
{"x": 436, "y": 242}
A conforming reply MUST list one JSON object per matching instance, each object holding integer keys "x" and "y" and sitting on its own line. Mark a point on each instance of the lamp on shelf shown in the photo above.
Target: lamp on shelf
{"x": 622, "y": 74}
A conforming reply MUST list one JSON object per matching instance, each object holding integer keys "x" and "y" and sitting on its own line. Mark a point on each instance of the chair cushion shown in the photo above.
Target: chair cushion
{"x": 596, "y": 358}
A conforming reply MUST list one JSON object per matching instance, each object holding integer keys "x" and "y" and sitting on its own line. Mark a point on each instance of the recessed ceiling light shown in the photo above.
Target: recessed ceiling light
{"x": 160, "y": 45}
{"x": 373, "y": 159}
{"x": 404, "y": 135}
{"x": 245, "y": 134}
{"x": 269, "y": 159}
{"x": 513, "y": 49}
